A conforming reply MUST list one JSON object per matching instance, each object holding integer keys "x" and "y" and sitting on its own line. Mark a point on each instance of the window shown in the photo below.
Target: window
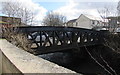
{"x": 93, "y": 22}
{"x": 76, "y": 24}
{"x": 98, "y": 23}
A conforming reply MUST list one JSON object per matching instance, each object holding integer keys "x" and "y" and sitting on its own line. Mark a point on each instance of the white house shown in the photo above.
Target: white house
{"x": 87, "y": 21}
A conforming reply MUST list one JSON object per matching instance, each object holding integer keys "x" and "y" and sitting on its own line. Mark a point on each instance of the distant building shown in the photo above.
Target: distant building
{"x": 86, "y": 21}
{"x": 71, "y": 23}
{"x": 8, "y": 21}
{"x": 113, "y": 23}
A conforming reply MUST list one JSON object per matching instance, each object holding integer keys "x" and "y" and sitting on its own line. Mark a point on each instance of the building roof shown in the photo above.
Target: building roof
{"x": 92, "y": 17}
{"x": 9, "y": 17}
{"x": 113, "y": 17}
{"x": 71, "y": 21}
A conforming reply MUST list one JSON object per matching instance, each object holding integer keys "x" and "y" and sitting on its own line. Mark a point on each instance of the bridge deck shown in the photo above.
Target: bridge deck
{"x": 50, "y": 39}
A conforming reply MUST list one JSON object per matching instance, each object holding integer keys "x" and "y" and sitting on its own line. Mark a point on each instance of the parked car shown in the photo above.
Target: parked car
{"x": 118, "y": 30}
{"x": 67, "y": 34}
{"x": 36, "y": 36}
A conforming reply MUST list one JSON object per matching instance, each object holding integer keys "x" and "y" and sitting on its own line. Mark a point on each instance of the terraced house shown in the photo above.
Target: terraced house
{"x": 86, "y": 21}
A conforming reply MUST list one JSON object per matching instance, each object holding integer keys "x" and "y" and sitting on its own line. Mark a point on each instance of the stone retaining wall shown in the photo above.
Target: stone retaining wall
{"x": 15, "y": 60}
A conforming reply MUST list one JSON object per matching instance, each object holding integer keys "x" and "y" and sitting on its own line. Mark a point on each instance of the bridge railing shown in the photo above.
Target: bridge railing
{"x": 48, "y": 38}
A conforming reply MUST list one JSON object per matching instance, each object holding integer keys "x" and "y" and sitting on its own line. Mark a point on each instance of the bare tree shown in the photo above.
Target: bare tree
{"x": 118, "y": 8}
{"x": 16, "y": 9}
{"x": 105, "y": 13}
{"x": 54, "y": 19}
{"x": 13, "y": 10}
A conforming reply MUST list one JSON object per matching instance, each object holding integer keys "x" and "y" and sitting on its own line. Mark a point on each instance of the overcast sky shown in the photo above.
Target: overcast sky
{"x": 69, "y": 8}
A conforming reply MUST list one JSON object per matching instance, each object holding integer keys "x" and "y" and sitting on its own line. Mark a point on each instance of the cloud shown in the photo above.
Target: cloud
{"x": 68, "y": 10}
{"x": 74, "y": 8}
{"x": 71, "y": 10}
{"x": 68, "y": 0}
{"x": 38, "y": 10}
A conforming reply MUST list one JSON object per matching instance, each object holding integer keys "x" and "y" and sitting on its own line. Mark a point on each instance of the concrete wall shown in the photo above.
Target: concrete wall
{"x": 15, "y": 60}
{"x": 8, "y": 66}
{"x": 0, "y": 62}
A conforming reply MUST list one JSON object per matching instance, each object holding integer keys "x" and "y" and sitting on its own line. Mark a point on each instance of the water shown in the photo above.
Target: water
{"x": 75, "y": 61}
